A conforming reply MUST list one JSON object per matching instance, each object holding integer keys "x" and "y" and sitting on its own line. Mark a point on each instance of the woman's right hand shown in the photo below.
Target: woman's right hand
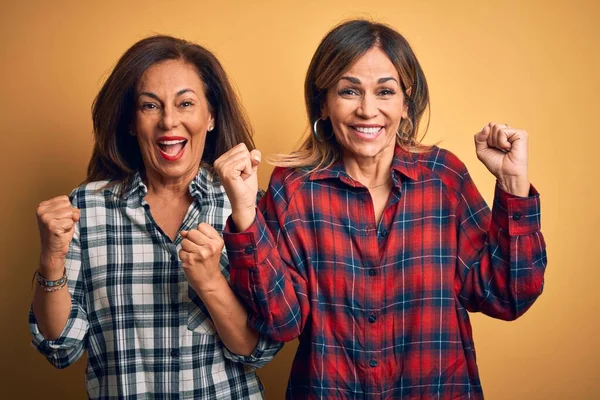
{"x": 56, "y": 221}
{"x": 237, "y": 171}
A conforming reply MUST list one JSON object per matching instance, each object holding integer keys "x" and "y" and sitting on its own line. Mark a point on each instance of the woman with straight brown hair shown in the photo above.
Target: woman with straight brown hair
{"x": 132, "y": 268}
{"x": 371, "y": 247}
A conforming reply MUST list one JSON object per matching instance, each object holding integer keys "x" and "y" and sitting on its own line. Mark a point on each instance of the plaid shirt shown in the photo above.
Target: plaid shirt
{"x": 147, "y": 333}
{"x": 381, "y": 309}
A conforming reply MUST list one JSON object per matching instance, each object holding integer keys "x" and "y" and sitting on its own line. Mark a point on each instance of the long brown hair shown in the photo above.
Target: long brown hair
{"x": 336, "y": 53}
{"x": 116, "y": 154}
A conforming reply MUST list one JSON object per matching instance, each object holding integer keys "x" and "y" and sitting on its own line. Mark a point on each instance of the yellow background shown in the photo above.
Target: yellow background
{"x": 532, "y": 64}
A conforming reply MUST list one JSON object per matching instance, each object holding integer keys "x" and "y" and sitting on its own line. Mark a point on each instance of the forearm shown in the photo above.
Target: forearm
{"x": 51, "y": 309}
{"x": 230, "y": 318}
{"x": 515, "y": 185}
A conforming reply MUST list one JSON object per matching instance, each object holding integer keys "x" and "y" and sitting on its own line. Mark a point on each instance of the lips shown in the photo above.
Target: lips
{"x": 171, "y": 147}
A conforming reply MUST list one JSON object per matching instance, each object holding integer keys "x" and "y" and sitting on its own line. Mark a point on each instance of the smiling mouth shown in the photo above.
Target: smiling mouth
{"x": 371, "y": 130}
{"x": 171, "y": 149}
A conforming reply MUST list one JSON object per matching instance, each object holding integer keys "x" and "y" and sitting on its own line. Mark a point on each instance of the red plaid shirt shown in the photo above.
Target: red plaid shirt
{"x": 381, "y": 309}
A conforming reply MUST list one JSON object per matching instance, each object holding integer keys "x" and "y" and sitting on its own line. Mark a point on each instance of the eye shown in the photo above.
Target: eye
{"x": 386, "y": 92}
{"x": 149, "y": 106}
{"x": 348, "y": 92}
{"x": 186, "y": 104}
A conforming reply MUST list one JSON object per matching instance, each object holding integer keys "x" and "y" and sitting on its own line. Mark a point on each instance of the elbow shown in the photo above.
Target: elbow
{"x": 282, "y": 336}
{"x": 282, "y": 333}
{"x": 519, "y": 308}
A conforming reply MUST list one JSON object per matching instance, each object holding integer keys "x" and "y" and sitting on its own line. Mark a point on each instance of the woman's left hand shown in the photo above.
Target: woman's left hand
{"x": 200, "y": 255}
{"x": 503, "y": 150}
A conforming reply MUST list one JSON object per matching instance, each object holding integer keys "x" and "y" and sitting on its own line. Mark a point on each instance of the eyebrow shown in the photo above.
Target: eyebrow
{"x": 356, "y": 81}
{"x": 154, "y": 96}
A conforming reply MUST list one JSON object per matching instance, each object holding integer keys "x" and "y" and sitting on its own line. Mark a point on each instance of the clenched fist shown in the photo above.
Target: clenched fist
{"x": 200, "y": 255}
{"x": 237, "y": 171}
{"x": 503, "y": 150}
{"x": 56, "y": 222}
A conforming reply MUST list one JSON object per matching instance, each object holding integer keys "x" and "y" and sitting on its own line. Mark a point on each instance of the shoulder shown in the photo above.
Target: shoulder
{"x": 94, "y": 194}
{"x": 289, "y": 179}
{"x": 284, "y": 184}
{"x": 444, "y": 165}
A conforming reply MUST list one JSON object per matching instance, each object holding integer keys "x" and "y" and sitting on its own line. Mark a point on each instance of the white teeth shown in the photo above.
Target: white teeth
{"x": 369, "y": 131}
{"x": 171, "y": 142}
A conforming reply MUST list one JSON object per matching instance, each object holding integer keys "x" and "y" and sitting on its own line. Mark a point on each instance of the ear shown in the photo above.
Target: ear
{"x": 211, "y": 122}
{"x": 324, "y": 111}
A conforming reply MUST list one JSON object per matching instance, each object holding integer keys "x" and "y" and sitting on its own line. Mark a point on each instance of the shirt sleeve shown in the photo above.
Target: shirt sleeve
{"x": 264, "y": 352}
{"x": 268, "y": 263}
{"x": 71, "y": 344}
{"x": 501, "y": 254}
{"x": 200, "y": 322}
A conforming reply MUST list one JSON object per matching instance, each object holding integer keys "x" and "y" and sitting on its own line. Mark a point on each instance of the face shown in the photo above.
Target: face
{"x": 365, "y": 108}
{"x": 172, "y": 118}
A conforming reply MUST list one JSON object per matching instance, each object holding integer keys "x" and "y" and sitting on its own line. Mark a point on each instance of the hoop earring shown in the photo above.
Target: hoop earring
{"x": 316, "y": 133}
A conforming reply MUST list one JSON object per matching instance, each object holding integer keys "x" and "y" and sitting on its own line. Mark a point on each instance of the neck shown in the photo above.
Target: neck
{"x": 371, "y": 172}
{"x": 161, "y": 186}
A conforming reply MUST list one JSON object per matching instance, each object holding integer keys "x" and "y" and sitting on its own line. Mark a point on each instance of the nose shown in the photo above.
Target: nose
{"x": 368, "y": 107}
{"x": 169, "y": 118}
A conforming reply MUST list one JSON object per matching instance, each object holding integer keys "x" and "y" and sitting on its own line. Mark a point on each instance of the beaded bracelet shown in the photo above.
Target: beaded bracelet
{"x": 51, "y": 286}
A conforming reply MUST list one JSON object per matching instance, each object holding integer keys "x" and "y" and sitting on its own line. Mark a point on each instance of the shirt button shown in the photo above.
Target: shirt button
{"x": 174, "y": 258}
{"x": 517, "y": 216}
{"x": 372, "y": 272}
{"x": 249, "y": 250}
{"x": 372, "y": 318}
{"x": 383, "y": 232}
{"x": 373, "y": 363}
{"x": 175, "y": 353}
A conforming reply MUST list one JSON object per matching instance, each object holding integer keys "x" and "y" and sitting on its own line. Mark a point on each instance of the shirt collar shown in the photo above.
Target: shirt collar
{"x": 203, "y": 185}
{"x": 404, "y": 162}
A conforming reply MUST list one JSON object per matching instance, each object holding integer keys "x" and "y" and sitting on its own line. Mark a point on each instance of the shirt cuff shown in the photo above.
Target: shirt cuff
{"x": 517, "y": 215}
{"x": 264, "y": 352}
{"x": 73, "y": 333}
{"x": 249, "y": 248}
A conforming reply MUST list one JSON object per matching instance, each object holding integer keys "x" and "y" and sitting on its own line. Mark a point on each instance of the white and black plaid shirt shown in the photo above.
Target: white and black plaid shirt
{"x": 147, "y": 333}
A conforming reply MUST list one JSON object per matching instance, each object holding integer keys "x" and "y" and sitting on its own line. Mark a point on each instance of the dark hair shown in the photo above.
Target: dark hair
{"x": 116, "y": 154}
{"x": 337, "y": 52}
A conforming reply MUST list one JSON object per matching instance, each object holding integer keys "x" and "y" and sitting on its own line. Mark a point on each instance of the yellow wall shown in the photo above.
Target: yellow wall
{"x": 531, "y": 64}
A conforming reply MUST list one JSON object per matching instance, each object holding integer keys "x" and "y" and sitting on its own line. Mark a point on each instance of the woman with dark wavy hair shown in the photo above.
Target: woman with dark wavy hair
{"x": 371, "y": 247}
{"x": 132, "y": 268}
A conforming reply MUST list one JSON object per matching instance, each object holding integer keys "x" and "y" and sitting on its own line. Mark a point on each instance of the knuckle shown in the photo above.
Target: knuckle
{"x": 45, "y": 219}
{"x": 204, "y": 253}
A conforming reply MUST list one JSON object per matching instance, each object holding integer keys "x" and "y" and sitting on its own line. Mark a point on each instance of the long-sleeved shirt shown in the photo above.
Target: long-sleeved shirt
{"x": 380, "y": 309}
{"x": 147, "y": 333}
